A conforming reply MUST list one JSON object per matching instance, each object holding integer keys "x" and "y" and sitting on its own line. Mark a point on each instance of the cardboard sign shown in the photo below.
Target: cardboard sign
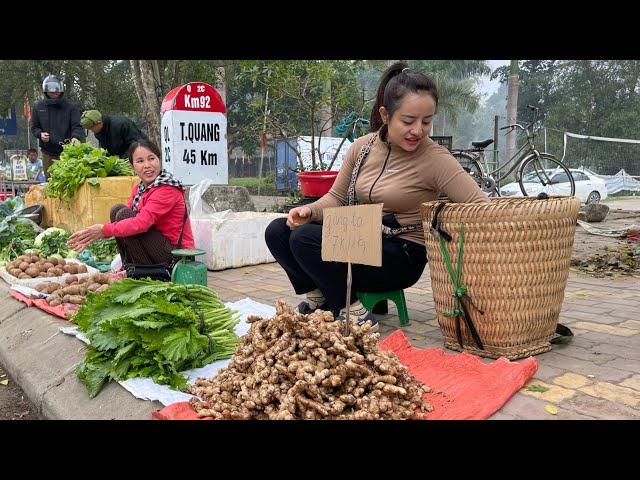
{"x": 19, "y": 166}
{"x": 353, "y": 234}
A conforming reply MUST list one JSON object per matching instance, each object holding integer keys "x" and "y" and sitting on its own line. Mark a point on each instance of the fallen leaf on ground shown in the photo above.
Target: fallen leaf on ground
{"x": 536, "y": 388}
{"x": 552, "y": 409}
{"x": 5, "y": 381}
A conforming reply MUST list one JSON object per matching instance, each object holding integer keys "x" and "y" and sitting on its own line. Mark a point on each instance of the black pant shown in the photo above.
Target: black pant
{"x": 148, "y": 248}
{"x": 298, "y": 251}
{"x": 47, "y": 161}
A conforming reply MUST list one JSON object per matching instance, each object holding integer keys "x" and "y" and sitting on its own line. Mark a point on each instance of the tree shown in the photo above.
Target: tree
{"x": 478, "y": 126}
{"x": 301, "y": 101}
{"x": 456, "y": 81}
{"x": 512, "y": 108}
{"x": 102, "y": 84}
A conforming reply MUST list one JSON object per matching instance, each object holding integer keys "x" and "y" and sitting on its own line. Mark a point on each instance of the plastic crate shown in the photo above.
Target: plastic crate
{"x": 445, "y": 141}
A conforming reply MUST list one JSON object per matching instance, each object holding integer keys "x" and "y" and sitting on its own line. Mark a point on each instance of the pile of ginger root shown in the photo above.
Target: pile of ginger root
{"x": 296, "y": 366}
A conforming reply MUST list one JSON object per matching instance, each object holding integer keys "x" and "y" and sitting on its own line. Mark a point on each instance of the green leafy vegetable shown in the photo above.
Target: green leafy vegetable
{"x": 52, "y": 241}
{"x": 79, "y": 162}
{"x": 104, "y": 250}
{"x": 17, "y": 234}
{"x": 147, "y": 328}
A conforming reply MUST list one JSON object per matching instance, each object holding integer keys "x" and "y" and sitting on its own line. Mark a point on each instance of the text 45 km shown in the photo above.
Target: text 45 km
{"x": 206, "y": 158}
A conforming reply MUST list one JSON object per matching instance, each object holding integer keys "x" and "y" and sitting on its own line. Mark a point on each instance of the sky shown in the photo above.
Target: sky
{"x": 488, "y": 87}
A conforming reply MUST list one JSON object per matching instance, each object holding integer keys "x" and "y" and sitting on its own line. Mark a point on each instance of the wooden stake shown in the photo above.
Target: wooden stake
{"x": 347, "y": 330}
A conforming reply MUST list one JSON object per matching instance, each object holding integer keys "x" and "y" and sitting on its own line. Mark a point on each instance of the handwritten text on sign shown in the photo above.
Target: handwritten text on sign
{"x": 353, "y": 234}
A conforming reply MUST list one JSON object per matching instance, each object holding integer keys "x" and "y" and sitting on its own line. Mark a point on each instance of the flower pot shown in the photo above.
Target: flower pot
{"x": 316, "y": 184}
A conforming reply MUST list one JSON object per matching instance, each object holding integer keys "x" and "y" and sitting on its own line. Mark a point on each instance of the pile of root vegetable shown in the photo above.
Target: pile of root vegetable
{"x": 74, "y": 290}
{"x": 296, "y": 366}
{"x": 36, "y": 266}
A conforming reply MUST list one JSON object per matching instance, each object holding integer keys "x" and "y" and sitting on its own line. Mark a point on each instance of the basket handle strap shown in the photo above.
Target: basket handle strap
{"x": 436, "y": 228}
{"x": 469, "y": 322}
{"x": 460, "y": 310}
{"x": 564, "y": 334}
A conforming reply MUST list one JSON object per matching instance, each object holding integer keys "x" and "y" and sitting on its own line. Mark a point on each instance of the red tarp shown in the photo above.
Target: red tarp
{"x": 59, "y": 311}
{"x": 463, "y": 387}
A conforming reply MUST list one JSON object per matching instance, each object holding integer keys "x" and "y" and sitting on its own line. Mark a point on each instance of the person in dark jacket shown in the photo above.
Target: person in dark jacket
{"x": 114, "y": 133}
{"x": 55, "y": 121}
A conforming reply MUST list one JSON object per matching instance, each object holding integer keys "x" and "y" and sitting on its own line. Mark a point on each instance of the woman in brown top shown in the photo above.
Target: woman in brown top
{"x": 397, "y": 165}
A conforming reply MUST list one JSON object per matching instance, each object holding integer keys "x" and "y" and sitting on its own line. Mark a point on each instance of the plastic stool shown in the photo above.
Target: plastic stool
{"x": 371, "y": 299}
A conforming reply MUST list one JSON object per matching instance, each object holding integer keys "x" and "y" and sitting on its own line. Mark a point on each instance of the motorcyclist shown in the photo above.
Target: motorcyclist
{"x": 55, "y": 121}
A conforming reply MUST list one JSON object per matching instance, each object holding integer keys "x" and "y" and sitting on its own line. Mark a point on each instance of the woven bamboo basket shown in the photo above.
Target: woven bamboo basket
{"x": 516, "y": 257}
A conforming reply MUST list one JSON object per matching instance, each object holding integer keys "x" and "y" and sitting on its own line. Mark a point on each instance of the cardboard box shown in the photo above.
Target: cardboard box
{"x": 90, "y": 205}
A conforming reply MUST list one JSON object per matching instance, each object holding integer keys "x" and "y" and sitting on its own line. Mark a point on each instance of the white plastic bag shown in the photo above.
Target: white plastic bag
{"x": 116, "y": 264}
{"x": 200, "y": 208}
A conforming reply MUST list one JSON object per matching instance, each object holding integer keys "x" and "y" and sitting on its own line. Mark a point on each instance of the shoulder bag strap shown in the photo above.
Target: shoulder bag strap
{"x": 184, "y": 221}
{"x": 364, "y": 151}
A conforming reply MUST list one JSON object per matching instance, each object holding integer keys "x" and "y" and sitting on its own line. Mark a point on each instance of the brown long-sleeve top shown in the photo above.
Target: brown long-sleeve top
{"x": 401, "y": 181}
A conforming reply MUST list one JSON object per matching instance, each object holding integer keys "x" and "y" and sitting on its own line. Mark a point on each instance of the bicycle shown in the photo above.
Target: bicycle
{"x": 535, "y": 172}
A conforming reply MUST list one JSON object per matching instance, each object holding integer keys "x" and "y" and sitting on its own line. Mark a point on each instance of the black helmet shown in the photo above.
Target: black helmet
{"x": 52, "y": 84}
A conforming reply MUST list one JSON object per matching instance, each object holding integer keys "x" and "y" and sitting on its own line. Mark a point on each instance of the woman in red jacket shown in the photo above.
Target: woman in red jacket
{"x": 148, "y": 228}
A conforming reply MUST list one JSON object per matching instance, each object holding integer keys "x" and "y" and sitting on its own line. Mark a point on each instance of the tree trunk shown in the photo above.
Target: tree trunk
{"x": 512, "y": 109}
{"x": 221, "y": 83}
{"x": 149, "y": 90}
{"x": 325, "y": 115}
{"x": 442, "y": 122}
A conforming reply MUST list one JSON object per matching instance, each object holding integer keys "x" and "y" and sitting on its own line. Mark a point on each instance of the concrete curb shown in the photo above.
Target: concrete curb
{"x": 42, "y": 361}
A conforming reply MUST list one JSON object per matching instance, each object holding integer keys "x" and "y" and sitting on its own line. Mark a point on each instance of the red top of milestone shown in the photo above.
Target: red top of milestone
{"x": 195, "y": 97}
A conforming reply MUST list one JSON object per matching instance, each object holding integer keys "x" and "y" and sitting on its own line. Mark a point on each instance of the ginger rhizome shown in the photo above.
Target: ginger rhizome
{"x": 296, "y": 366}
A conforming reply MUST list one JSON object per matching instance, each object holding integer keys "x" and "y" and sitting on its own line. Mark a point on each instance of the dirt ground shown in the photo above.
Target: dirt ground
{"x": 586, "y": 244}
{"x": 14, "y": 405}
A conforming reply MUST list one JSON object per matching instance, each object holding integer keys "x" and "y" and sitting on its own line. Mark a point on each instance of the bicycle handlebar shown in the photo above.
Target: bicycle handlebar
{"x": 513, "y": 126}
{"x": 536, "y": 114}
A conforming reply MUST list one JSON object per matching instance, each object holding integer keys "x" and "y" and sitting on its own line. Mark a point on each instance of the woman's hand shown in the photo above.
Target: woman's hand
{"x": 298, "y": 216}
{"x": 82, "y": 238}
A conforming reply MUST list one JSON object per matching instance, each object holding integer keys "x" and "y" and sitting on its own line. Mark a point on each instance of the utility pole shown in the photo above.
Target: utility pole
{"x": 496, "y": 160}
{"x": 512, "y": 109}
{"x": 263, "y": 139}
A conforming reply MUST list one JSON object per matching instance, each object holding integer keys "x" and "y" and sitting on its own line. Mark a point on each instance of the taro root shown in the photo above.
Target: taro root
{"x": 15, "y": 272}
{"x": 32, "y": 271}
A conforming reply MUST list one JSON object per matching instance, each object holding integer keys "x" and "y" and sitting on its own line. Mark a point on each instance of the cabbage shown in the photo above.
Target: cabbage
{"x": 38, "y": 241}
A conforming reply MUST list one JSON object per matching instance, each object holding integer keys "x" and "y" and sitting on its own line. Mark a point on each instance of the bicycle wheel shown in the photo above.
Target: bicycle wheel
{"x": 545, "y": 174}
{"x": 470, "y": 164}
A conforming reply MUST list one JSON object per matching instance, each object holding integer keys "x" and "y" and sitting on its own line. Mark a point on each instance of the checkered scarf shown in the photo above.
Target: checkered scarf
{"x": 165, "y": 178}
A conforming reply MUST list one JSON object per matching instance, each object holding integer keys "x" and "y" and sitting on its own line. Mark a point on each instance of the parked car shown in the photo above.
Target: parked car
{"x": 589, "y": 188}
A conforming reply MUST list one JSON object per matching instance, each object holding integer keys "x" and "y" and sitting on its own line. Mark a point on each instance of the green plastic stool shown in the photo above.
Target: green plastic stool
{"x": 370, "y": 300}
